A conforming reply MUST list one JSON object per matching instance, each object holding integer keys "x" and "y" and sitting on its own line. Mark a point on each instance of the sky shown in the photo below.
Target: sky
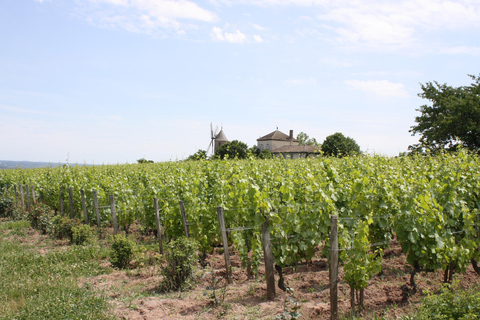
{"x": 113, "y": 81}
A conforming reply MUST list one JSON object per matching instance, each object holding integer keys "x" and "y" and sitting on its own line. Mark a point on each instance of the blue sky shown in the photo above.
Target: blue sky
{"x": 113, "y": 81}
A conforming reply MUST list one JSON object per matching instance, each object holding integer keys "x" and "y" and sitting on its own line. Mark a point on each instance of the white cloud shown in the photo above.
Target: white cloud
{"x": 258, "y": 27}
{"x": 397, "y": 23}
{"x": 383, "y": 24}
{"x": 309, "y": 80}
{"x": 147, "y": 15}
{"x": 218, "y": 34}
{"x": 257, "y": 38}
{"x": 382, "y": 88}
{"x": 473, "y": 51}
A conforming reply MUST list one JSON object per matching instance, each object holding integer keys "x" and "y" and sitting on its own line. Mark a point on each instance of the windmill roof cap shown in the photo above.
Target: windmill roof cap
{"x": 276, "y": 135}
{"x": 221, "y": 136}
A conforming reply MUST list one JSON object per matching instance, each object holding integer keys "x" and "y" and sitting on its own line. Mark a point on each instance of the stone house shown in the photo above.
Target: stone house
{"x": 282, "y": 145}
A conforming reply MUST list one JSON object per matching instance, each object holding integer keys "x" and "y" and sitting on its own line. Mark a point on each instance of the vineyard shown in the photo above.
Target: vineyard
{"x": 429, "y": 205}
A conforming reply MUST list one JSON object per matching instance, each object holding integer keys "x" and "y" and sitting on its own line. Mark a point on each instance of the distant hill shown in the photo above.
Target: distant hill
{"x": 4, "y": 164}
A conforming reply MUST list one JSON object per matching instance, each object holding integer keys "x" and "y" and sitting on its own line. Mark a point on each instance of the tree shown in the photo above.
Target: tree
{"x": 199, "y": 155}
{"x": 265, "y": 154}
{"x": 305, "y": 140}
{"x": 451, "y": 120}
{"x": 231, "y": 150}
{"x": 339, "y": 146}
{"x": 143, "y": 160}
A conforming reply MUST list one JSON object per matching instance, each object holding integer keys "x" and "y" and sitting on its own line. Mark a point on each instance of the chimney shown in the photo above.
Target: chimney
{"x": 291, "y": 134}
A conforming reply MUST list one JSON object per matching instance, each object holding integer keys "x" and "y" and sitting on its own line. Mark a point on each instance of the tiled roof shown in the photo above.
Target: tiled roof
{"x": 297, "y": 149}
{"x": 276, "y": 135}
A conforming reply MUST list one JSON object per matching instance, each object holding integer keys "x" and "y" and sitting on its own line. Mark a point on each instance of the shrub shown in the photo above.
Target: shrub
{"x": 181, "y": 257}
{"x": 62, "y": 227}
{"x": 40, "y": 217}
{"x": 83, "y": 234}
{"x": 451, "y": 304}
{"x": 122, "y": 251}
{"x": 6, "y": 207}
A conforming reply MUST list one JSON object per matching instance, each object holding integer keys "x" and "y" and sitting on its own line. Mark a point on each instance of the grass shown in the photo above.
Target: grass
{"x": 36, "y": 285}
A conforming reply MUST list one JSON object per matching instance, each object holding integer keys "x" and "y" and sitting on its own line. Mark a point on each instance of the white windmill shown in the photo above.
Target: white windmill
{"x": 217, "y": 139}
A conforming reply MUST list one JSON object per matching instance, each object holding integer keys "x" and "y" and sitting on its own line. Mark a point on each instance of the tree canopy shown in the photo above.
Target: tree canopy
{"x": 453, "y": 118}
{"x": 231, "y": 150}
{"x": 143, "y": 160}
{"x": 339, "y": 146}
{"x": 199, "y": 155}
{"x": 305, "y": 140}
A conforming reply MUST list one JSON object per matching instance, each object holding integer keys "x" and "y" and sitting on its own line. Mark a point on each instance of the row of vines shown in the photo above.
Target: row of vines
{"x": 430, "y": 204}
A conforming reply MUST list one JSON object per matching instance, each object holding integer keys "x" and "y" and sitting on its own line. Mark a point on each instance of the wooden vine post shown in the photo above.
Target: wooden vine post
{"x": 223, "y": 231}
{"x": 61, "y": 202}
{"x": 22, "y": 200}
{"x": 184, "y": 219}
{"x": 114, "y": 214}
{"x": 84, "y": 206}
{"x": 34, "y": 198}
{"x": 6, "y": 187}
{"x": 97, "y": 212}
{"x": 27, "y": 193}
{"x": 16, "y": 194}
{"x": 268, "y": 257}
{"x": 159, "y": 225}
{"x": 333, "y": 271}
{"x": 70, "y": 202}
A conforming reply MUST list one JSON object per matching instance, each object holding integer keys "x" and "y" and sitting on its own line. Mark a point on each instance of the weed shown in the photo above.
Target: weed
{"x": 290, "y": 306}
{"x": 213, "y": 292}
{"x": 122, "y": 251}
{"x": 83, "y": 235}
{"x": 181, "y": 257}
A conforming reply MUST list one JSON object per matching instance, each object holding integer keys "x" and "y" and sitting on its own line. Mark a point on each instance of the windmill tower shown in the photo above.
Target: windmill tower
{"x": 217, "y": 139}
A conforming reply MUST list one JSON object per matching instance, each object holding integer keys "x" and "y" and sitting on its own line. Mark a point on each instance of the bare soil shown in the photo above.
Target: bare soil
{"x": 134, "y": 292}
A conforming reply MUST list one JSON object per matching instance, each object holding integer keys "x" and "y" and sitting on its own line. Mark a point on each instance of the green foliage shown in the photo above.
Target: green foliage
{"x": 36, "y": 285}
{"x": 122, "y": 251}
{"x": 143, "y": 160}
{"x": 305, "y": 140}
{"x": 40, "y": 217}
{"x": 450, "y": 303}
{"x": 83, "y": 234}
{"x": 181, "y": 257}
{"x": 6, "y": 207}
{"x": 290, "y": 307}
{"x": 62, "y": 227}
{"x": 360, "y": 265}
{"x": 338, "y": 145}
{"x": 265, "y": 154}
{"x": 453, "y": 118}
{"x": 199, "y": 155}
{"x": 232, "y": 150}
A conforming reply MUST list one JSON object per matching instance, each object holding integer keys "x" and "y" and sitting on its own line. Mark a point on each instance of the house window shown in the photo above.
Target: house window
{"x": 268, "y": 146}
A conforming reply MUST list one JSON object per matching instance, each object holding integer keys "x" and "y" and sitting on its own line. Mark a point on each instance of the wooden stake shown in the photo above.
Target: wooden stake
{"x": 70, "y": 197}
{"x": 16, "y": 194}
{"x": 268, "y": 257}
{"x": 184, "y": 219}
{"x": 114, "y": 214}
{"x": 84, "y": 206}
{"x": 61, "y": 202}
{"x": 97, "y": 212}
{"x": 22, "y": 200}
{"x": 27, "y": 190}
{"x": 333, "y": 271}
{"x": 228, "y": 265}
{"x": 34, "y": 198}
{"x": 159, "y": 225}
